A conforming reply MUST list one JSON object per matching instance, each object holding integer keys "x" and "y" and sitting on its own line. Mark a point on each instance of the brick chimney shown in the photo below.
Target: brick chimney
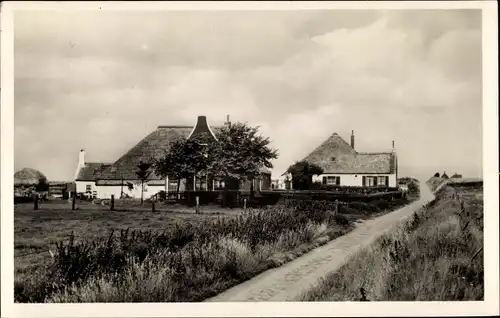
{"x": 352, "y": 139}
{"x": 227, "y": 123}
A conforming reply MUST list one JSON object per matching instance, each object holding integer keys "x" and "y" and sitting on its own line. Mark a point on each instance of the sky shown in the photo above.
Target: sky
{"x": 102, "y": 81}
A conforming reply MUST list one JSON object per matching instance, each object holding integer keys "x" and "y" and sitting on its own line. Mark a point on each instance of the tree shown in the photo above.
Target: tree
{"x": 239, "y": 153}
{"x": 42, "y": 185}
{"x": 143, "y": 174}
{"x": 302, "y": 173}
{"x": 185, "y": 158}
{"x": 436, "y": 175}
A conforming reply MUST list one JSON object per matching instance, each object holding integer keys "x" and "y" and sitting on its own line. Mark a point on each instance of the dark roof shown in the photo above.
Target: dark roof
{"x": 335, "y": 155}
{"x": 456, "y": 176}
{"x": 444, "y": 175}
{"x": 91, "y": 171}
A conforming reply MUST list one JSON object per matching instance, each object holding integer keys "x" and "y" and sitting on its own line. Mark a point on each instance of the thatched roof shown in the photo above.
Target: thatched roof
{"x": 91, "y": 171}
{"x": 444, "y": 175}
{"x": 152, "y": 147}
{"x": 28, "y": 176}
{"x": 335, "y": 155}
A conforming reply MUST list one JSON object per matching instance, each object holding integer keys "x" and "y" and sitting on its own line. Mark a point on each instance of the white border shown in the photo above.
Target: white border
{"x": 490, "y": 148}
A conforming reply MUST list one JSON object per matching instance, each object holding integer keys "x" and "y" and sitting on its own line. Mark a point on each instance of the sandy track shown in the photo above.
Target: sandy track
{"x": 287, "y": 282}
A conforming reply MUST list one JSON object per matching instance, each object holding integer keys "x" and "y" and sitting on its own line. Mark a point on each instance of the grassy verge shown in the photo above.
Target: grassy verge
{"x": 435, "y": 256}
{"x": 187, "y": 262}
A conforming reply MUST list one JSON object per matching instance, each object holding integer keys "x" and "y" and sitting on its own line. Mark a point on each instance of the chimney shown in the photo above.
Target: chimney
{"x": 81, "y": 158}
{"x": 393, "y": 146}
{"x": 227, "y": 123}
{"x": 202, "y": 121}
{"x": 352, "y": 139}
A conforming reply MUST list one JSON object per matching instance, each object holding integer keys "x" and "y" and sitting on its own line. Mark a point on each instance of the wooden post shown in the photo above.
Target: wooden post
{"x": 73, "y": 203}
{"x": 245, "y": 204}
{"x": 35, "y": 202}
{"x": 153, "y": 205}
{"x": 194, "y": 183}
{"x": 336, "y": 207}
{"x": 112, "y": 204}
{"x": 197, "y": 204}
{"x": 121, "y": 192}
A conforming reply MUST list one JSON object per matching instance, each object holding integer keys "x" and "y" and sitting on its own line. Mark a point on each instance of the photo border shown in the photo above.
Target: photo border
{"x": 490, "y": 306}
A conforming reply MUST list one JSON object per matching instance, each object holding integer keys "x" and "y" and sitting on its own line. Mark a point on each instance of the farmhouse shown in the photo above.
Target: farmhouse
{"x": 101, "y": 180}
{"x": 344, "y": 166}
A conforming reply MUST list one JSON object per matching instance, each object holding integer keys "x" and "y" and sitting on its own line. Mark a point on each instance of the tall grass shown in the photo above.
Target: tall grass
{"x": 190, "y": 262}
{"x": 435, "y": 256}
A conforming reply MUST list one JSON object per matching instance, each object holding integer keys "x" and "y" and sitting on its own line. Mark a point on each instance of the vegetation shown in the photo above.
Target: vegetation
{"x": 302, "y": 174}
{"x": 435, "y": 256}
{"x": 185, "y": 158}
{"x": 239, "y": 153}
{"x": 42, "y": 185}
{"x": 143, "y": 174}
{"x": 187, "y": 261}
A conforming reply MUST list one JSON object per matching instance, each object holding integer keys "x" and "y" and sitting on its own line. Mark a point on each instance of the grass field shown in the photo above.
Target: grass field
{"x": 436, "y": 256}
{"x": 36, "y": 231}
{"x": 185, "y": 256}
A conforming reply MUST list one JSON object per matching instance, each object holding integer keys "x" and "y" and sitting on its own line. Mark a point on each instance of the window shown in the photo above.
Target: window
{"x": 334, "y": 159}
{"x": 370, "y": 181}
{"x": 88, "y": 188}
{"x": 381, "y": 181}
{"x": 332, "y": 180}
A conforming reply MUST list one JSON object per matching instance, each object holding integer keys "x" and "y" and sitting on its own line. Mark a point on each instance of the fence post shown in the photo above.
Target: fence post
{"x": 73, "y": 203}
{"x": 112, "y": 204}
{"x": 197, "y": 204}
{"x": 153, "y": 205}
{"x": 35, "y": 202}
{"x": 244, "y": 204}
{"x": 336, "y": 207}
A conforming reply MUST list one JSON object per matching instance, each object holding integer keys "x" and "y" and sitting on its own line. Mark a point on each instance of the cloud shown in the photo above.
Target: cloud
{"x": 102, "y": 81}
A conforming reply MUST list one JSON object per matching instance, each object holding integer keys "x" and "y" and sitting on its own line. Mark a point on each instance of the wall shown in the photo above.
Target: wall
{"x": 105, "y": 191}
{"x": 355, "y": 180}
{"x": 81, "y": 186}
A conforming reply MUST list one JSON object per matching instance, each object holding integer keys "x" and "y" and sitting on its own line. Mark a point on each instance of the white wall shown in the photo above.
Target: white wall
{"x": 81, "y": 186}
{"x": 105, "y": 191}
{"x": 355, "y": 180}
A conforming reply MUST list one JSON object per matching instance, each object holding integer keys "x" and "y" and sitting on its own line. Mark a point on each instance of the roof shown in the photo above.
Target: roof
{"x": 28, "y": 176}
{"x": 91, "y": 170}
{"x": 152, "y": 146}
{"x": 456, "y": 175}
{"x": 335, "y": 155}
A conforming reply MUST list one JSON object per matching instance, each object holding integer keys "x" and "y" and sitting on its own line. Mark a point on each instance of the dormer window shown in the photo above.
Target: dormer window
{"x": 334, "y": 159}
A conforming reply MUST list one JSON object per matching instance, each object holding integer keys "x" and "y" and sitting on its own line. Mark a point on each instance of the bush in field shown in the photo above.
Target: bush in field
{"x": 413, "y": 190}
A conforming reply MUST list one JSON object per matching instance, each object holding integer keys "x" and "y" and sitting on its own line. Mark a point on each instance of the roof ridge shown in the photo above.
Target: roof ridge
{"x": 375, "y": 153}
{"x": 175, "y": 126}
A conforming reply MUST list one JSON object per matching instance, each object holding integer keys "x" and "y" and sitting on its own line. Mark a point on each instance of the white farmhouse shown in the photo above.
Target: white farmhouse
{"x": 344, "y": 166}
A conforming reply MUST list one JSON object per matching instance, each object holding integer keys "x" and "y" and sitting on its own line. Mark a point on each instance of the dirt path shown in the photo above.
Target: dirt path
{"x": 287, "y": 282}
